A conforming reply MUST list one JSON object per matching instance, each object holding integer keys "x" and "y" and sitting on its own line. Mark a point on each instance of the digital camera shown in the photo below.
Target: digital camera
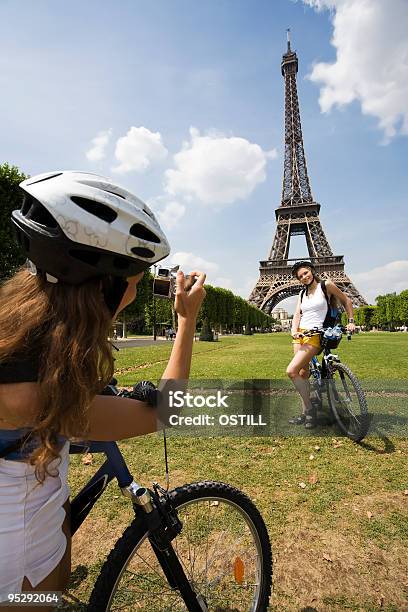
{"x": 164, "y": 283}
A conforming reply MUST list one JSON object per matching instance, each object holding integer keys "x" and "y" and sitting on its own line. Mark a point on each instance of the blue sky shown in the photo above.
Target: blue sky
{"x": 144, "y": 78}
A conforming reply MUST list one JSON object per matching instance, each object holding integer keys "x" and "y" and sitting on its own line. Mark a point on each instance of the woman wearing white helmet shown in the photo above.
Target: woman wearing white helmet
{"x": 312, "y": 312}
{"x": 88, "y": 242}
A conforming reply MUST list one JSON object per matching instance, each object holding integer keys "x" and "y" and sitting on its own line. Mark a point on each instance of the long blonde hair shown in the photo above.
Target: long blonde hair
{"x": 67, "y": 327}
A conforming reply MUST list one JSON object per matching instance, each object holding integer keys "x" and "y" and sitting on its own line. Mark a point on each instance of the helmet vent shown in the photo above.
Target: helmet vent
{"x": 40, "y": 215}
{"x": 116, "y": 194}
{"x": 148, "y": 213}
{"x": 140, "y": 231}
{"x": 35, "y": 211}
{"x": 141, "y": 252}
{"x": 88, "y": 257}
{"x": 46, "y": 178}
{"x": 97, "y": 209}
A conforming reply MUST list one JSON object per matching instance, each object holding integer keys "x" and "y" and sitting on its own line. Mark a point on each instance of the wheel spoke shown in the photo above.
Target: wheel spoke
{"x": 216, "y": 532}
{"x": 347, "y": 402}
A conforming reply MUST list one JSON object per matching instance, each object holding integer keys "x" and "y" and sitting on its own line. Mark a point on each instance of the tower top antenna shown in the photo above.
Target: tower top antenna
{"x": 288, "y": 39}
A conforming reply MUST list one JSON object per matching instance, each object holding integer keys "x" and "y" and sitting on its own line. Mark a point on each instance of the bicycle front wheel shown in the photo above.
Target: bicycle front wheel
{"x": 347, "y": 402}
{"x": 223, "y": 547}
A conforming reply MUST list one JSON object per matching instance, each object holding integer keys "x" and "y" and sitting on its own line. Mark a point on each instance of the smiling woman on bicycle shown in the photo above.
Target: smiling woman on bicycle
{"x": 88, "y": 242}
{"x": 311, "y": 311}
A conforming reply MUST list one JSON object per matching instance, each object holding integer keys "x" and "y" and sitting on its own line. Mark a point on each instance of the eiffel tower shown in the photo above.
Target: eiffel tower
{"x": 298, "y": 214}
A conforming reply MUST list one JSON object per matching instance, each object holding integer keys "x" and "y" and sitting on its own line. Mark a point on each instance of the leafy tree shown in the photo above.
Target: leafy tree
{"x": 403, "y": 307}
{"x": 381, "y": 313}
{"x": 367, "y": 317}
{"x": 164, "y": 315}
{"x": 134, "y": 314}
{"x": 11, "y": 255}
{"x": 391, "y": 309}
{"x": 209, "y": 308}
{"x": 139, "y": 314}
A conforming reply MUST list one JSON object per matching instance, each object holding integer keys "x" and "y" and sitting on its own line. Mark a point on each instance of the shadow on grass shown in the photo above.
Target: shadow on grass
{"x": 72, "y": 604}
{"x": 388, "y": 446}
{"x": 78, "y": 575}
{"x": 69, "y": 601}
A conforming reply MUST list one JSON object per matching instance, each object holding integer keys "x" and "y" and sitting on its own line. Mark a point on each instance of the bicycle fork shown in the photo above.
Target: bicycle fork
{"x": 163, "y": 526}
{"x": 177, "y": 578}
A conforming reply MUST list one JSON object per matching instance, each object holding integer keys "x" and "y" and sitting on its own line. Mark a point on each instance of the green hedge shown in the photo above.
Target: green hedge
{"x": 391, "y": 311}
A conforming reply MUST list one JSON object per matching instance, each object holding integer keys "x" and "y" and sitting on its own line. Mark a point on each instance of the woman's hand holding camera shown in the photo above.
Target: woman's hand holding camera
{"x": 189, "y": 297}
{"x": 190, "y": 294}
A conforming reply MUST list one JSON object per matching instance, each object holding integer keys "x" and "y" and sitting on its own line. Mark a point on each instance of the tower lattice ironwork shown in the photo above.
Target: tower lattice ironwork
{"x": 298, "y": 214}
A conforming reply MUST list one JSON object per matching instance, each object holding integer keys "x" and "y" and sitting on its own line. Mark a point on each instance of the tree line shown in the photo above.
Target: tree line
{"x": 221, "y": 310}
{"x": 390, "y": 312}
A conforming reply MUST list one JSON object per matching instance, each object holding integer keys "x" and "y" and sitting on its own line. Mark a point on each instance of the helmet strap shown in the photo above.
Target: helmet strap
{"x": 34, "y": 271}
{"x": 113, "y": 289}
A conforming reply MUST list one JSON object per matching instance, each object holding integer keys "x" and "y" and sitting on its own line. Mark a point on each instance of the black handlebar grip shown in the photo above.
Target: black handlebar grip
{"x": 145, "y": 391}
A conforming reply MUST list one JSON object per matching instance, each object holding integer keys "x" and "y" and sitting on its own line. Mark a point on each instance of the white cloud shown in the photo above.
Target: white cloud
{"x": 189, "y": 261}
{"x": 384, "y": 279}
{"x": 370, "y": 38}
{"x": 225, "y": 283}
{"x": 171, "y": 214}
{"x": 217, "y": 169}
{"x": 167, "y": 210}
{"x": 99, "y": 143}
{"x": 239, "y": 286}
{"x": 138, "y": 150}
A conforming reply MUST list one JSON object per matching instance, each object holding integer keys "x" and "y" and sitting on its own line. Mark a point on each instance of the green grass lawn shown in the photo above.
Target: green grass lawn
{"x": 340, "y": 542}
{"x": 370, "y": 355}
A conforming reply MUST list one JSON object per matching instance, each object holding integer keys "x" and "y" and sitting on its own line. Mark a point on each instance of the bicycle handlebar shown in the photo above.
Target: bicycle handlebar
{"x": 310, "y": 332}
{"x": 315, "y": 331}
{"x": 144, "y": 391}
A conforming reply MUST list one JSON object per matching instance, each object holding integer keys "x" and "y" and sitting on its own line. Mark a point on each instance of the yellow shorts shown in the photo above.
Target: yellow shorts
{"x": 311, "y": 340}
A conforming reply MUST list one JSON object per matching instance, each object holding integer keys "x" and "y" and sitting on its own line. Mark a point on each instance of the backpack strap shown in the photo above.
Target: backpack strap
{"x": 301, "y": 295}
{"x": 326, "y": 295}
{"x": 14, "y": 446}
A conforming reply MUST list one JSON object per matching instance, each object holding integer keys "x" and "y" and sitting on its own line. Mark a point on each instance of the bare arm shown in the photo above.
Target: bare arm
{"x": 116, "y": 418}
{"x": 110, "y": 417}
{"x": 332, "y": 289}
{"x": 187, "y": 306}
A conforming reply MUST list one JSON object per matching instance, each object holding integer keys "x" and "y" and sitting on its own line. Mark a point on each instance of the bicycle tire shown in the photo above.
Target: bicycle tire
{"x": 225, "y": 593}
{"x": 340, "y": 400}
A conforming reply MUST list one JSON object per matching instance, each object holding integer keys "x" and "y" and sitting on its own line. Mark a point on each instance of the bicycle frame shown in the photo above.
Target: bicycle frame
{"x": 322, "y": 371}
{"x": 114, "y": 467}
{"x": 327, "y": 359}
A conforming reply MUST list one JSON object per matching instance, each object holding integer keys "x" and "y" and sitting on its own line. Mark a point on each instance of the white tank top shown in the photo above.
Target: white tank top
{"x": 314, "y": 309}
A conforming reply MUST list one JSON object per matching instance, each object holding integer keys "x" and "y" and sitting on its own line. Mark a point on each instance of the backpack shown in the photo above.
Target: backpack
{"x": 333, "y": 313}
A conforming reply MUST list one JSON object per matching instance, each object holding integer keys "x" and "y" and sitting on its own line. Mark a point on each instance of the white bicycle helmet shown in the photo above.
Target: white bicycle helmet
{"x": 75, "y": 226}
